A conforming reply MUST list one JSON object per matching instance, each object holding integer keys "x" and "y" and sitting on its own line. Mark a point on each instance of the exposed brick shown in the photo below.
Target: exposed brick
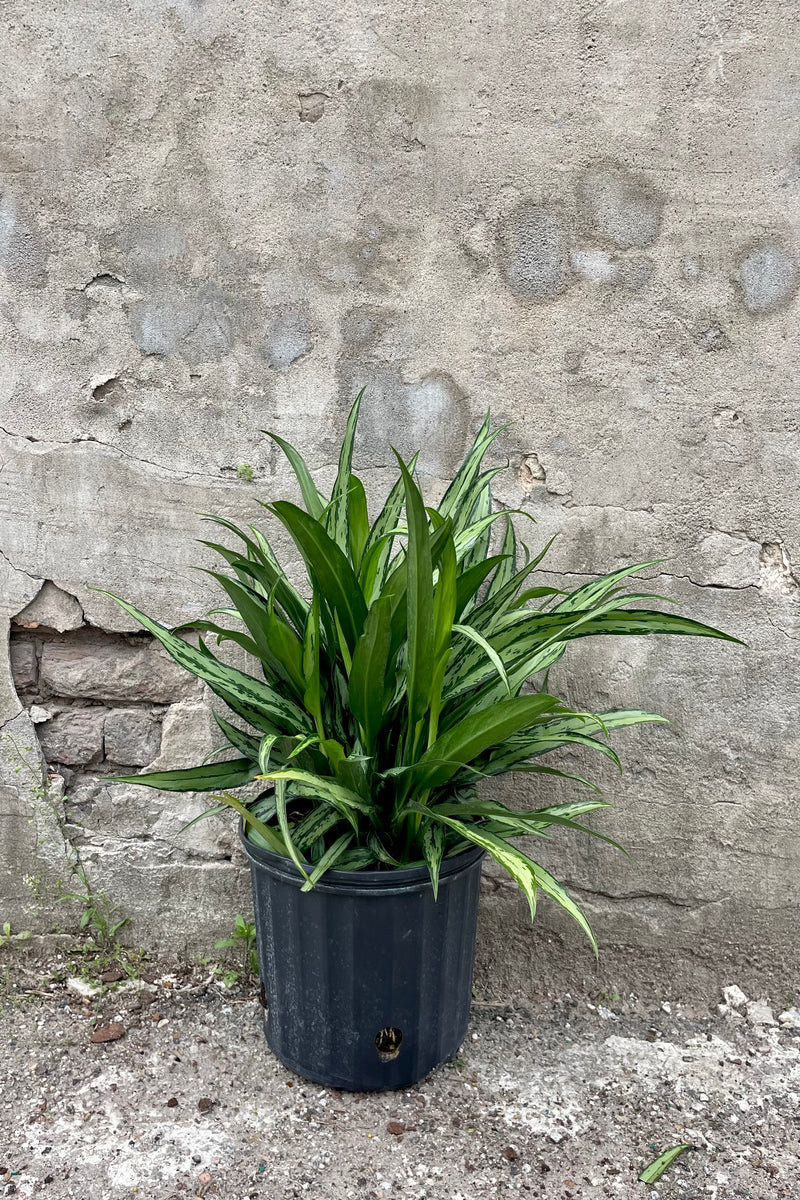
{"x": 101, "y": 667}
{"x": 74, "y": 736}
{"x": 23, "y": 664}
{"x": 132, "y": 736}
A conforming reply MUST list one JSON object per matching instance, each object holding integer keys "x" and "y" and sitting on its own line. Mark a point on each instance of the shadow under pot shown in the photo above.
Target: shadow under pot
{"x": 368, "y": 978}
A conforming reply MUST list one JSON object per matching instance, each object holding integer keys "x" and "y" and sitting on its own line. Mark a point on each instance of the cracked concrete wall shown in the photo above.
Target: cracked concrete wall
{"x": 217, "y": 218}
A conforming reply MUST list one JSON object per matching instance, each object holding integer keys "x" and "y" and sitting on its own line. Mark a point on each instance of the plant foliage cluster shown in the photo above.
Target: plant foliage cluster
{"x": 413, "y": 666}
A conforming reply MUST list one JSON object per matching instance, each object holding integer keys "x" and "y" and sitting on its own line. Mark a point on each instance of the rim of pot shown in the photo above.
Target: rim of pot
{"x": 390, "y": 877}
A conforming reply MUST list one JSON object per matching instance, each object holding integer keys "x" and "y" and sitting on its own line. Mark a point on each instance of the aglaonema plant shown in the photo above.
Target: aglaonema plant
{"x": 410, "y": 667}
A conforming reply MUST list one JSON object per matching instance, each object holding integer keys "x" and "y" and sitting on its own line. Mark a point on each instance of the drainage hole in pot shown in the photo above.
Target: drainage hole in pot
{"x": 387, "y": 1043}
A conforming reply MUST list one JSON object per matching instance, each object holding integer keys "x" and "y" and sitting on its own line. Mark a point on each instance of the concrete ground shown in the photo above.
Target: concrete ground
{"x": 566, "y": 1098}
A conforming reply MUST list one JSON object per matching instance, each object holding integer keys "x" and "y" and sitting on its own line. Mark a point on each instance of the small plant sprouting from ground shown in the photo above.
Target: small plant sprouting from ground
{"x": 245, "y": 471}
{"x": 89, "y": 962}
{"x": 97, "y": 919}
{"x": 608, "y": 998}
{"x": 242, "y": 938}
{"x": 8, "y": 938}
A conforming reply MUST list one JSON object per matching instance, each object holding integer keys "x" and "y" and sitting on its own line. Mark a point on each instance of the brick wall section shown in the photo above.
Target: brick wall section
{"x": 108, "y": 704}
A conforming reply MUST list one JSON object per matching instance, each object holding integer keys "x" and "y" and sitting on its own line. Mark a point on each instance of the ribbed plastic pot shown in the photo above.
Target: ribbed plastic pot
{"x": 368, "y": 979}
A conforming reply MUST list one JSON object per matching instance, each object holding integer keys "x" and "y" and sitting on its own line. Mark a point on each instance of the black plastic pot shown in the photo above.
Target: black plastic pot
{"x": 368, "y": 979}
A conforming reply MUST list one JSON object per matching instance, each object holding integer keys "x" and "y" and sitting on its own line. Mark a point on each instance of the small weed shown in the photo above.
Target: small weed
{"x": 97, "y": 919}
{"x": 6, "y": 936}
{"x": 456, "y": 1062}
{"x": 245, "y": 471}
{"x": 609, "y": 998}
{"x": 242, "y": 938}
{"x": 89, "y": 961}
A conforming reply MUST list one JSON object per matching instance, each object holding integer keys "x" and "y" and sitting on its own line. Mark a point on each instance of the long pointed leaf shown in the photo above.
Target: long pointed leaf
{"x": 271, "y": 837}
{"x": 329, "y": 859}
{"x": 358, "y": 519}
{"x": 283, "y": 822}
{"x": 378, "y": 549}
{"x": 245, "y": 743}
{"x": 335, "y": 519}
{"x": 518, "y": 865}
{"x": 433, "y": 840}
{"x": 232, "y": 773}
{"x": 238, "y": 690}
{"x": 419, "y": 598}
{"x": 312, "y": 498}
{"x": 654, "y": 1170}
{"x": 588, "y": 595}
{"x": 475, "y": 735}
{"x": 371, "y": 676}
{"x": 330, "y": 569}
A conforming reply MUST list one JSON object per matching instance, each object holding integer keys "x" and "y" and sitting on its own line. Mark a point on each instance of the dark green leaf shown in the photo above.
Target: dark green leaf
{"x": 419, "y": 598}
{"x": 329, "y": 859}
{"x": 245, "y": 743}
{"x": 371, "y": 674}
{"x": 241, "y": 692}
{"x": 475, "y": 735}
{"x": 231, "y": 774}
{"x": 330, "y": 570}
{"x": 335, "y": 518}
{"x": 313, "y": 500}
{"x": 358, "y": 520}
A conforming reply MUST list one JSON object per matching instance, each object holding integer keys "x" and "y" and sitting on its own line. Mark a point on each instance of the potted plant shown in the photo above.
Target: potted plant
{"x": 411, "y": 666}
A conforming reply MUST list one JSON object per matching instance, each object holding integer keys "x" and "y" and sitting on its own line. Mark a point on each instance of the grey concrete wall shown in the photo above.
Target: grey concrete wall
{"x": 220, "y": 217}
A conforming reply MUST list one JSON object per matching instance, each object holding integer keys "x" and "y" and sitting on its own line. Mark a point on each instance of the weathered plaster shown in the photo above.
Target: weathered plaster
{"x": 216, "y": 219}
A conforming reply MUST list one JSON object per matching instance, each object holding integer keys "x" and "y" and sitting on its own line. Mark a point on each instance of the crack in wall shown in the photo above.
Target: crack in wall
{"x": 633, "y": 897}
{"x": 55, "y": 443}
{"x": 20, "y": 570}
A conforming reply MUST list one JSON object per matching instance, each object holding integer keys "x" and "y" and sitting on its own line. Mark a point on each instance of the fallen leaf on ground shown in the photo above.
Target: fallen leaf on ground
{"x": 108, "y": 1033}
{"x": 654, "y": 1170}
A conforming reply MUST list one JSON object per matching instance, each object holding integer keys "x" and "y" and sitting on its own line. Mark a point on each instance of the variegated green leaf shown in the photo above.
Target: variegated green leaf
{"x": 433, "y": 841}
{"x": 271, "y": 839}
{"x": 330, "y": 858}
{"x": 518, "y": 865}
{"x": 245, "y": 743}
{"x": 335, "y": 519}
{"x": 314, "y": 826}
{"x": 591, "y": 593}
{"x": 283, "y": 823}
{"x": 231, "y": 685}
{"x": 312, "y": 498}
{"x": 419, "y": 599}
{"x": 233, "y": 773}
{"x": 474, "y": 736}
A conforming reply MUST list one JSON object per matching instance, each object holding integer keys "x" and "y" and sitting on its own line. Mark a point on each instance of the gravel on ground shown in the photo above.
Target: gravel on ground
{"x": 162, "y": 1087}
